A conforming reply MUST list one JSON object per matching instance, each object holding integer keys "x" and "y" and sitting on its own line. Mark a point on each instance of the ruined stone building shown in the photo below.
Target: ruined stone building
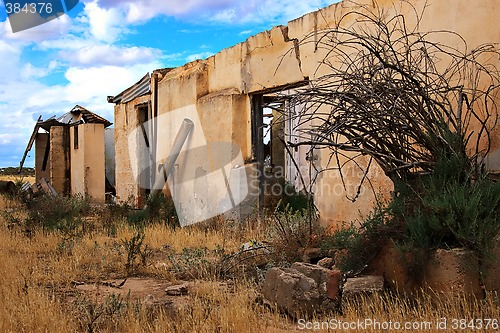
{"x": 70, "y": 153}
{"x": 230, "y": 97}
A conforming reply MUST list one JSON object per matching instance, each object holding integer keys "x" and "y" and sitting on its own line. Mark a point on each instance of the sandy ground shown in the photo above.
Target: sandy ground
{"x": 146, "y": 290}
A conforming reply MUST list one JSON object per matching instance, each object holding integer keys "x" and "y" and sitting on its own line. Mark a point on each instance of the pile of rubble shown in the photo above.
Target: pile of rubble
{"x": 307, "y": 289}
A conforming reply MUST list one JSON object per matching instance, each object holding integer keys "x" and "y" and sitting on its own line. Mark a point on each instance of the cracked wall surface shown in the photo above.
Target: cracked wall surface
{"x": 126, "y": 120}
{"x": 221, "y": 87}
{"x": 87, "y": 161}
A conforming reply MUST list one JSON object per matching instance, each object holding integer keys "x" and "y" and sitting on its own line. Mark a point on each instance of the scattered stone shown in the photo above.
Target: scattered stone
{"x": 326, "y": 262}
{"x": 362, "y": 287}
{"x": 177, "y": 290}
{"x": 303, "y": 289}
{"x": 453, "y": 273}
{"x": 292, "y": 291}
{"x": 311, "y": 255}
{"x": 43, "y": 186}
{"x": 337, "y": 255}
{"x": 328, "y": 281}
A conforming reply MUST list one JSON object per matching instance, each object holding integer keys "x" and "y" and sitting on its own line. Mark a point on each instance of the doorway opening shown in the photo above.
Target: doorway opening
{"x": 144, "y": 161}
{"x": 276, "y": 129}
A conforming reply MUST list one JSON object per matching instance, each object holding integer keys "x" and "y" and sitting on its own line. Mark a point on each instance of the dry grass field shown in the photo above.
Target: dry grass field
{"x": 53, "y": 280}
{"x": 21, "y": 179}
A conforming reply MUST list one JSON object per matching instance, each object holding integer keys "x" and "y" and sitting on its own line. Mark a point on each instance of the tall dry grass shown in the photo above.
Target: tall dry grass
{"x": 38, "y": 270}
{"x": 21, "y": 179}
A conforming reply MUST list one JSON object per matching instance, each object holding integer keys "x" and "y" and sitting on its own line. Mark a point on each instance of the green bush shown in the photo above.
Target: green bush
{"x": 158, "y": 209}
{"x": 137, "y": 252}
{"x": 292, "y": 200}
{"x": 455, "y": 206}
{"x": 355, "y": 246}
{"x": 198, "y": 262}
{"x": 57, "y": 213}
{"x": 450, "y": 213}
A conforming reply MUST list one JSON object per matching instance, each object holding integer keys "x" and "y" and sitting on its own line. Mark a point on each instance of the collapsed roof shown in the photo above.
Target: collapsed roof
{"x": 77, "y": 115}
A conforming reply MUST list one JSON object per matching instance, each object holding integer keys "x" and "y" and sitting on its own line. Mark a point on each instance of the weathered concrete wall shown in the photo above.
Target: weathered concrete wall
{"x": 41, "y": 142}
{"x": 221, "y": 89}
{"x": 231, "y": 112}
{"x": 219, "y": 117}
{"x": 126, "y": 121}
{"x": 461, "y": 17}
{"x": 87, "y": 161}
{"x": 60, "y": 159}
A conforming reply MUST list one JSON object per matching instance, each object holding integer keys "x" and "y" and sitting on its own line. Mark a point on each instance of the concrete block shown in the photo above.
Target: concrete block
{"x": 491, "y": 268}
{"x": 363, "y": 287}
{"x": 453, "y": 273}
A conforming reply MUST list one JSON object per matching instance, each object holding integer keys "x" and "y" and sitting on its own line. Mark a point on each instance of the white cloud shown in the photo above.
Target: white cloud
{"x": 9, "y": 60}
{"x": 18, "y": 116}
{"x": 105, "y": 24}
{"x": 23, "y": 100}
{"x": 105, "y": 54}
{"x": 84, "y": 85}
{"x": 88, "y": 83}
{"x": 29, "y": 72}
{"x": 226, "y": 16}
{"x": 268, "y": 11}
{"x": 196, "y": 56}
{"x": 90, "y": 86}
{"x": 7, "y": 138}
{"x": 68, "y": 42}
{"x": 140, "y": 11}
{"x": 245, "y": 32}
{"x": 225, "y": 11}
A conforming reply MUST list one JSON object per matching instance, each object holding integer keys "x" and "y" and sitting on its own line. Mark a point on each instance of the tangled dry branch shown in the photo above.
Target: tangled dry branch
{"x": 399, "y": 95}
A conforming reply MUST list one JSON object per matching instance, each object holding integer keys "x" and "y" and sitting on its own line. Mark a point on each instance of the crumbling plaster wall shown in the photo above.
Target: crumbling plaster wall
{"x": 87, "y": 161}
{"x": 460, "y": 16}
{"x": 221, "y": 86}
{"x": 59, "y": 157}
{"x": 126, "y": 121}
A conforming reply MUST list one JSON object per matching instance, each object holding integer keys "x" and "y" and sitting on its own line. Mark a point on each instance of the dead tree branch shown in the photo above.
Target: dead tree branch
{"x": 399, "y": 95}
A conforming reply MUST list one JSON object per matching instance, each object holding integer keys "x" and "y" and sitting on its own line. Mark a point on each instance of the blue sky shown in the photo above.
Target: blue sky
{"x": 104, "y": 46}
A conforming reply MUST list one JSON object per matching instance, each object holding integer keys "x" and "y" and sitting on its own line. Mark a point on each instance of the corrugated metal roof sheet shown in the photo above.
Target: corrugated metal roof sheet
{"x": 141, "y": 88}
{"x": 80, "y": 114}
{"x": 77, "y": 115}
